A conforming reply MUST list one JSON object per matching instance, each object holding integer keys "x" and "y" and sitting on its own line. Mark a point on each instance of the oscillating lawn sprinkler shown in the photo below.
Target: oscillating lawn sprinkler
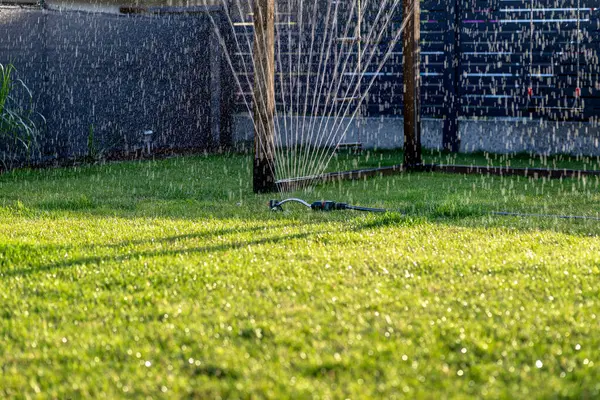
{"x": 275, "y": 205}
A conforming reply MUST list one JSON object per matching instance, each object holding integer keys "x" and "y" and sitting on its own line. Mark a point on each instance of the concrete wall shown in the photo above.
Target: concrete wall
{"x": 121, "y": 74}
{"x": 495, "y": 135}
{"x": 530, "y": 136}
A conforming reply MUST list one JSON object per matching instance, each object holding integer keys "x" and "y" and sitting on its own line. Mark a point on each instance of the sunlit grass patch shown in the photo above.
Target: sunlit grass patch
{"x": 172, "y": 279}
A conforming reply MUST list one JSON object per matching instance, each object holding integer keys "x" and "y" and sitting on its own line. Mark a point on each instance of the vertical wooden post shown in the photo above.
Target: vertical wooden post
{"x": 264, "y": 96}
{"x": 450, "y": 138}
{"x": 412, "y": 84}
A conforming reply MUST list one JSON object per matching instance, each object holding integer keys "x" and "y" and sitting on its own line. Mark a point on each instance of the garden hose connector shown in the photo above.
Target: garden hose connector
{"x": 276, "y": 205}
{"x": 273, "y": 204}
{"x": 328, "y": 206}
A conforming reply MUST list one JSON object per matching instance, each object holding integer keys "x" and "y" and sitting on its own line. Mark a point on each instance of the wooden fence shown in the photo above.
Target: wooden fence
{"x": 492, "y": 58}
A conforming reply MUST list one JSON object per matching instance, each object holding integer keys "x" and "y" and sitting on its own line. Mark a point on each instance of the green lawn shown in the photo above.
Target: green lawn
{"x": 171, "y": 279}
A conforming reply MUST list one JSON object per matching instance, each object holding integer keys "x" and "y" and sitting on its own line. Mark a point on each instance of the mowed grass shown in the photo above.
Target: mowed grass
{"x": 171, "y": 279}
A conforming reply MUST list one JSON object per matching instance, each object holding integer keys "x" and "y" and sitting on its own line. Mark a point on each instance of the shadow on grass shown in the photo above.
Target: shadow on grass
{"x": 375, "y": 222}
{"x": 449, "y": 216}
{"x": 20, "y": 272}
{"x": 177, "y": 238}
{"x": 372, "y": 222}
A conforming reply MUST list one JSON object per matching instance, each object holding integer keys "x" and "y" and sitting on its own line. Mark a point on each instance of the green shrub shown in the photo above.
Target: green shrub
{"x": 18, "y": 130}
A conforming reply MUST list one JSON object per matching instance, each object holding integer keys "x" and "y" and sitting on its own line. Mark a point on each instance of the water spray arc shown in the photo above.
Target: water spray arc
{"x": 304, "y": 71}
{"x": 313, "y": 162}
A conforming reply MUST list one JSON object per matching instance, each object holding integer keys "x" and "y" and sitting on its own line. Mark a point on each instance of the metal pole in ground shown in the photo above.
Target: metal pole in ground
{"x": 264, "y": 96}
{"x": 412, "y": 84}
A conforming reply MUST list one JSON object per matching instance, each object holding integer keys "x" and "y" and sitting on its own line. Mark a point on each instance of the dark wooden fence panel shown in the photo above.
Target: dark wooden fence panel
{"x": 529, "y": 58}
